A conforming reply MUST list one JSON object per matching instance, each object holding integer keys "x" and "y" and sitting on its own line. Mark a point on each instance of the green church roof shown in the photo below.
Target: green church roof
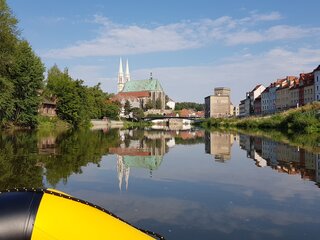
{"x": 142, "y": 85}
{"x": 148, "y": 162}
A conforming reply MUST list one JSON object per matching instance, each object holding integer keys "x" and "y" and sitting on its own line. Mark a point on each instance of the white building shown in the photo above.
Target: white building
{"x": 268, "y": 99}
{"x": 171, "y": 104}
{"x": 316, "y": 73}
{"x": 236, "y": 111}
{"x": 255, "y": 93}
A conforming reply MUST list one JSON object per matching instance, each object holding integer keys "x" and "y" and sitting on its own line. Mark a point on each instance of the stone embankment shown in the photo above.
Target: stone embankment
{"x": 105, "y": 123}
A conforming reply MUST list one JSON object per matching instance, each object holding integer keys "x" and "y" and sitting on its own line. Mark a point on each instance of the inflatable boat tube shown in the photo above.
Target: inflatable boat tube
{"x": 46, "y": 214}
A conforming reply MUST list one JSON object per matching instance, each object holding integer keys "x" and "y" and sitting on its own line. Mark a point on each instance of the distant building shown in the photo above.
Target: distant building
{"x": 236, "y": 111}
{"x": 308, "y": 87}
{"x": 268, "y": 98}
{"x": 242, "y": 110}
{"x": 139, "y": 93}
{"x": 219, "y": 145}
{"x": 283, "y": 100}
{"x": 316, "y": 74}
{"x": 295, "y": 92}
{"x": 48, "y": 107}
{"x": 253, "y": 95}
{"x": 218, "y": 105}
{"x": 257, "y": 106}
{"x": 171, "y": 104}
{"x": 247, "y": 106}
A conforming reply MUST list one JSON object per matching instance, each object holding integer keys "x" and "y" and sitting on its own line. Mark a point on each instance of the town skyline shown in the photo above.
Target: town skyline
{"x": 205, "y": 44}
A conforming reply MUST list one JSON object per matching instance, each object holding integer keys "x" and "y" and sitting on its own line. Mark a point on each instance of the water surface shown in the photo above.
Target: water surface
{"x": 184, "y": 185}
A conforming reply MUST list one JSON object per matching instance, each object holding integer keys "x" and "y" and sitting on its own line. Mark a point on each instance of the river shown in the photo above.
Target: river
{"x": 182, "y": 184}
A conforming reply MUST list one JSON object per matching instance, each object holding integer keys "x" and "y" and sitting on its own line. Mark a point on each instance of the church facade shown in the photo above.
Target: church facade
{"x": 144, "y": 94}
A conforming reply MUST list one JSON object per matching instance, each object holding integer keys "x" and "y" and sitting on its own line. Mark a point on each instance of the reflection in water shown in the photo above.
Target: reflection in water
{"x": 189, "y": 196}
{"x": 219, "y": 145}
{"x": 282, "y": 157}
{"x": 28, "y": 159}
{"x": 146, "y": 149}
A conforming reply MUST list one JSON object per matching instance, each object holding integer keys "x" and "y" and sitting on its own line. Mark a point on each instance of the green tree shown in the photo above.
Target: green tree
{"x": 27, "y": 76}
{"x": 189, "y": 105}
{"x": 8, "y": 38}
{"x": 72, "y": 100}
{"x": 96, "y": 101}
{"x": 6, "y": 103}
{"x": 127, "y": 107}
{"x": 149, "y": 105}
{"x": 158, "y": 103}
{"x": 77, "y": 103}
{"x": 137, "y": 113}
{"x": 111, "y": 110}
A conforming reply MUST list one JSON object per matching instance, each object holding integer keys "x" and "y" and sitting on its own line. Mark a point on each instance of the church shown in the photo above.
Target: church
{"x": 144, "y": 94}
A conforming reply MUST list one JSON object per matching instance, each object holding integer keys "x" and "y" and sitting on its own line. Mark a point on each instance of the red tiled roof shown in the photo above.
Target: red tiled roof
{"x": 129, "y": 151}
{"x": 307, "y": 79}
{"x": 130, "y": 95}
{"x": 200, "y": 114}
{"x": 185, "y": 113}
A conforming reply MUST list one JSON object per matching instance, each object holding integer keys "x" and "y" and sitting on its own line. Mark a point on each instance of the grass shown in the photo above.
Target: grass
{"x": 139, "y": 125}
{"x": 304, "y": 120}
{"x": 51, "y": 124}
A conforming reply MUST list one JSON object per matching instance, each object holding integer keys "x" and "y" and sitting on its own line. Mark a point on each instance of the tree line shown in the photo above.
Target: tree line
{"x": 77, "y": 103}
{"x": 23, "y": 85}
{"x": 189, "y": 105}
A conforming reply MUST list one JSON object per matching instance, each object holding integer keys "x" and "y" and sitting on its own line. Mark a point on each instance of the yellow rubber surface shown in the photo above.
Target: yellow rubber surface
{"x": 61, "y": 218}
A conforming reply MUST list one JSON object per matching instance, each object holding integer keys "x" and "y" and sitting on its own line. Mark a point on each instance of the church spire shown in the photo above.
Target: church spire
{"x": 127, "y": 75}
{"x": 120, "y": 77}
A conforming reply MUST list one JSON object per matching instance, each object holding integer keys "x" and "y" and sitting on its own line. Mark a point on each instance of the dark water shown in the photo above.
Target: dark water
{"x": 184, "y": 185}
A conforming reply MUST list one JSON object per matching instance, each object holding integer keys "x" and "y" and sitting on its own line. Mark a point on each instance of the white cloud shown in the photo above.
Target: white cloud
{"x": 241, "y": 73}
{"x": 115, "y": 39}
{"x": 279, "y": 32}
{"x": 193, "y": 83}
{"x": 266, "y": 17}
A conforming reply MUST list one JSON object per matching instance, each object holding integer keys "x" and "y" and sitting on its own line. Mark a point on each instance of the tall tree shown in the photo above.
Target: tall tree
{"x": 8, "y": 38}
{"x": 127, "y": 107}
{"x": 27, "y": 76}
{"x": 8, "y": 41}
{"x": 158, "y": 103}
{"x": 150, "y": 104}
{"x": 6, "y": 103}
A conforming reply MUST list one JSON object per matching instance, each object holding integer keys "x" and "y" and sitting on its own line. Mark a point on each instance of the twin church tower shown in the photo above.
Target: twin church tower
{"x": 139, "y": 92}
{"x": 123, "y": 78}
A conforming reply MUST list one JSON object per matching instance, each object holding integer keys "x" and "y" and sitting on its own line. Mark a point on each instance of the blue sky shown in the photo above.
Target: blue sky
{"x": 190, "y": 46}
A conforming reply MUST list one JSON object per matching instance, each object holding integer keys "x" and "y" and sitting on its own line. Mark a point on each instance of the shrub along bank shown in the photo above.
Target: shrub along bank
{"x": 303, "y": 120}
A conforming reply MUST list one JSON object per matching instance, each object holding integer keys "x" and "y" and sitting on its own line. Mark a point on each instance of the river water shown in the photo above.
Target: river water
{"x": 184, "y": 185}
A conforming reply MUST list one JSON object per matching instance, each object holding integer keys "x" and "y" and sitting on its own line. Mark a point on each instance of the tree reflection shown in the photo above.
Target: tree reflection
{"x": 25, "y": 157}
{"x": 18, "y": 161}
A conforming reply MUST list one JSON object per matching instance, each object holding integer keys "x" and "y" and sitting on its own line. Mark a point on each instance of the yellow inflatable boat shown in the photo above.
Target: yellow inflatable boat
{"x": 46, "y": 214}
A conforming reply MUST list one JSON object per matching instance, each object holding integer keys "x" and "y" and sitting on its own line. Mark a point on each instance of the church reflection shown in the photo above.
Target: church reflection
{"x": 282, "y": 157}
{"x": 146, "y": 149}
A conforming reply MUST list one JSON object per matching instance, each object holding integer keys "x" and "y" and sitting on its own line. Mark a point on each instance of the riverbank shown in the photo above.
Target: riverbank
{"x": 139, "y": 125}
{"x": 303, "y": 120}
{"x": 50, "y": 124}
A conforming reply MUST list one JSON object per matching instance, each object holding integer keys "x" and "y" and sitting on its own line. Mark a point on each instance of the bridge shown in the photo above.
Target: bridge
{"x": 150, "y": 118}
